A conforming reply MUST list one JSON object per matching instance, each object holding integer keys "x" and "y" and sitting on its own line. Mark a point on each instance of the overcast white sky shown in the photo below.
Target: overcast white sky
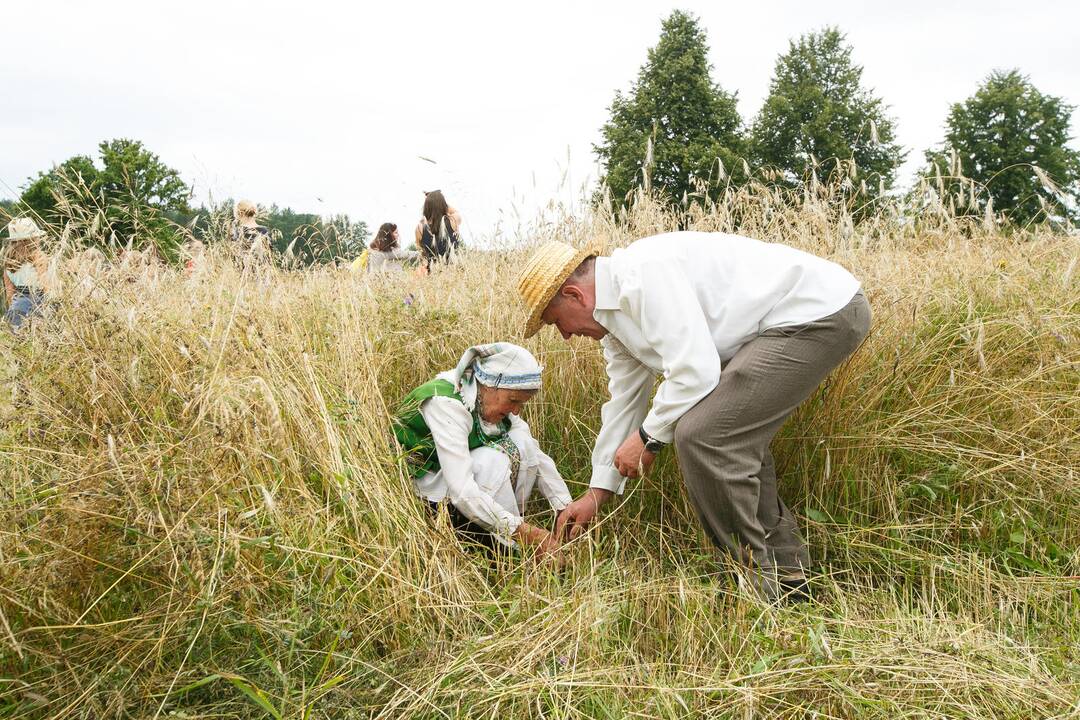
{"x": 327, "y": 107}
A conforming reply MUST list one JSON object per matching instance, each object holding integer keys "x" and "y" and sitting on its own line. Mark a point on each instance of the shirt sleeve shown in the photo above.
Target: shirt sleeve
{"x": 450, "y": 424}
{"x": 629, "y": 384}
{"x": 658, "y": 297}
{"x": 550, "y": 482}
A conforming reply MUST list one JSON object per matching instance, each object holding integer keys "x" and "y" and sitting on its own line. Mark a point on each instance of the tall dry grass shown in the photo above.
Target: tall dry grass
{"x": 201, "y": 515}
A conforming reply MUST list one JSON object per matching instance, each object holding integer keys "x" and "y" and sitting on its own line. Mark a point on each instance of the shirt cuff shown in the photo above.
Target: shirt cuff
{"x": 505, "y": 528}
{"x": 559, "y": 502}
{"x": 663, "y": 433}
{"x": 607, "y": 478}
{"x": 512, "y": 524}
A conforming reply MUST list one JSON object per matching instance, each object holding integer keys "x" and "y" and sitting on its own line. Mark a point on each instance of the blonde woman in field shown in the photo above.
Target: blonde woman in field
{"x": 25, "y": 267}
{"x": 251, "y": 239}
{"x": 683, "y": 305}
{"x": 437, "y": 233}
{"x": 465, "y": 444}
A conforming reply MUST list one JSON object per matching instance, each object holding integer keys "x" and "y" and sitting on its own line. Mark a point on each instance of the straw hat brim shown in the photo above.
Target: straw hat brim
{"x": 552, "y": 282}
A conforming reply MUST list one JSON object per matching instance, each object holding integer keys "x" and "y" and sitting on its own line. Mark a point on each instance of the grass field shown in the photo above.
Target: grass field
{"x": 201, "y": 515}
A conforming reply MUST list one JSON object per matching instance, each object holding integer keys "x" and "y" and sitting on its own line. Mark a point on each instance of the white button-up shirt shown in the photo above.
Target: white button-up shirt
{"x": 681, "y": 304}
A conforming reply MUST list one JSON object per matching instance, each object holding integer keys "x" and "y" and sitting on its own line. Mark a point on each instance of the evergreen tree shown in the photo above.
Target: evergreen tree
{"x": 1012, "y": 141}
{"x": 674, "y": 104}
{"x": 312, "y": 238}
{"x": 134, "y": 175}
{"x": 818, "y": 112}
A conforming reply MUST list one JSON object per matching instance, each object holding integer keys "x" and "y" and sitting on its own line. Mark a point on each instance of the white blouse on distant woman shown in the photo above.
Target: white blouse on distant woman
{"x": 389, "y": 260}
{"x": 25, "y": 276}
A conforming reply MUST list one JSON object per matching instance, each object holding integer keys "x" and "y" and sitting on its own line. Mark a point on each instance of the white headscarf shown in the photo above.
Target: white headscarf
{"x": 498, "y": 365}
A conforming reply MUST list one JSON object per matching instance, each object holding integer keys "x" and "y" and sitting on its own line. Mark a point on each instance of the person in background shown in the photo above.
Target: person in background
{"x": 249, "y": 237}
{"x": 385, "y": 254}
{"x": 25, "y": 267}
{"x": 194, "y": 256}
{"x": 438, "y": 232}
{"x": 464, "y": 443}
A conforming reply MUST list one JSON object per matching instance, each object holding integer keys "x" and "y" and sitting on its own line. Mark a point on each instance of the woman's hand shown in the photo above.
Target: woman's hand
{"x": 547, "y": 545}
{"x": 550, "y": 551}
{"x": 527, "y": 534}
{"x": 550, "y": 546}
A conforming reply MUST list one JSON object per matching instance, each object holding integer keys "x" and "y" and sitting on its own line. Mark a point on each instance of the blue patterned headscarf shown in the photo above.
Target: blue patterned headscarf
{"x": 498, "y": 365}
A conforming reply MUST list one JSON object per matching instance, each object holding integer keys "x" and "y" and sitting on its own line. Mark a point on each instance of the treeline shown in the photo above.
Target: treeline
{"x": 1005, "y": 152}
{"x": 128, "y": 197}
{"x": 1004, "y": 155}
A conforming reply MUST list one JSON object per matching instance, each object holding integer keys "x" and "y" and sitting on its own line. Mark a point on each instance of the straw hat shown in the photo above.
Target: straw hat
{"x": 544, "y": 274}
{"x": 24, "y": 229}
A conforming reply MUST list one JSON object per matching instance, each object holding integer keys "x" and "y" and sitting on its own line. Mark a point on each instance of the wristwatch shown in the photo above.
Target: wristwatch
{"x": 651, "y": 444}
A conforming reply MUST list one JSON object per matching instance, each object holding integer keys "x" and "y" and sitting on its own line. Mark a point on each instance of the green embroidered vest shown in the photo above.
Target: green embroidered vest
{"x": 414, "y": 436}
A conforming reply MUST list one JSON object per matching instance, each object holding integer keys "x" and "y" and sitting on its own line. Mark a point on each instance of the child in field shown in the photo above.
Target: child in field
{"x": 24, "y": 266}
{"x": 466, "y": 444}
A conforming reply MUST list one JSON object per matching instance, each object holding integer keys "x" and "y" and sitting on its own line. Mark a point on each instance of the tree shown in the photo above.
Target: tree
{"x": 691, "y": 123}
{"x": 287, "y": 225}
{"x": 40, "y": 195}
{"x": 1012, "y": 141}
{"x": 128, "y": 198}
{"x": 137, "y": 176}
{"x": 818, "y": 117}
{"x": 311, "y": 238}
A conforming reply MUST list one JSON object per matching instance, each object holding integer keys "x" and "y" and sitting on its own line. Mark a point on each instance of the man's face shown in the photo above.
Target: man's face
{"x": 571, "y": 311}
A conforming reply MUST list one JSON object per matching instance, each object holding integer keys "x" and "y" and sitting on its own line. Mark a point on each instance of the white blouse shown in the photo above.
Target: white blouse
{"x": 450, "y": 422}
{"x": 389, "y": 260}
{"x": 26, "y": 276}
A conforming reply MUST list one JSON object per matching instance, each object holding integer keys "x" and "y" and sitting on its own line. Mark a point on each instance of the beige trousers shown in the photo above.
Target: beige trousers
{"x": 723, "y": 441}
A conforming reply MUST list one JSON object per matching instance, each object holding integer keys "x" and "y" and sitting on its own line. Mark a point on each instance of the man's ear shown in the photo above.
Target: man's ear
{"x": 572, "y": 292}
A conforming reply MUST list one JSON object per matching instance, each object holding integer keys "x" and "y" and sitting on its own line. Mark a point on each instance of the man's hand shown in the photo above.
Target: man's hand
{"x": 576, "y": 516}
{"x": 631, "y": 455}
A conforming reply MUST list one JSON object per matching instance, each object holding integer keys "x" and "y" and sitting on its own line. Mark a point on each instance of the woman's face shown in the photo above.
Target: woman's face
{"x": 393, "y": 235}
{"x": 496, "y": 404}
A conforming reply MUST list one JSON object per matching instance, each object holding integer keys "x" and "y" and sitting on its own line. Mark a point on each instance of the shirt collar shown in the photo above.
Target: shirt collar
{"x": 606, "y": 296}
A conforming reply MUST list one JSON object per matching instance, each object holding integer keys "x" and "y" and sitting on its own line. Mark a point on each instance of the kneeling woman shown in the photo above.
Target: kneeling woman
{"x": 466, "y": 444}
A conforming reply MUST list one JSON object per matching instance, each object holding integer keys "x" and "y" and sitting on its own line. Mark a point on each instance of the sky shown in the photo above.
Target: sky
{"x": 357, "y": 108}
